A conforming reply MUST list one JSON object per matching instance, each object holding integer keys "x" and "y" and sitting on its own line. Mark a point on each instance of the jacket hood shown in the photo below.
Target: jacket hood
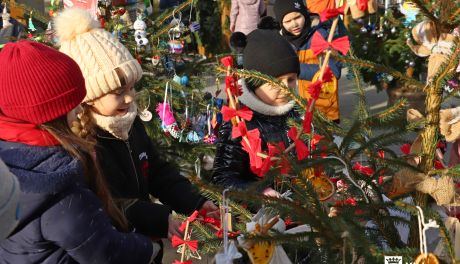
{"x": 41, "y": 169}
{"x": 249, "y": 99}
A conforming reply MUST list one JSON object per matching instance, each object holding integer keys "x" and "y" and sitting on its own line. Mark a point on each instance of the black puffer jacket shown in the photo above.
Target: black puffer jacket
{"x": 231, "y": 164}
{"x": 134, "y": 169}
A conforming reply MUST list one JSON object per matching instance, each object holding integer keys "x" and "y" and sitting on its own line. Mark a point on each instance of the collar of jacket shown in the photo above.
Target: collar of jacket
{"x": 249, "y": 99}
{"x": 41, "y": 169}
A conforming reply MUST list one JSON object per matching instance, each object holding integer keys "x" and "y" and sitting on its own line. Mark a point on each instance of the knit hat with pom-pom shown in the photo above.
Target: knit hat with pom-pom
{"x": 99, "y": 55}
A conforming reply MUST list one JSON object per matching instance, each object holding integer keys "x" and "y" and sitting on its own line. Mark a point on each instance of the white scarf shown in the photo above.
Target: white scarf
{"x": 118, "y": 126}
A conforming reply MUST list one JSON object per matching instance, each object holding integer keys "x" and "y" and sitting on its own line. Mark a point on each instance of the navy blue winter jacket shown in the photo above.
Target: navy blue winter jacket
{"x": 72, "y": 228}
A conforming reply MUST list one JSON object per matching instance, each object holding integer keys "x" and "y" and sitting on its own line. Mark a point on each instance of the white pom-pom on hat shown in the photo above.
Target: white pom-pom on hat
{"x": 73, "y": 22}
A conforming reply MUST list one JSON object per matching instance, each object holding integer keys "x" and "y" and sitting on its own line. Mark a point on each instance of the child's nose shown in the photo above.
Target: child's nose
{"x": 129, "y": 98}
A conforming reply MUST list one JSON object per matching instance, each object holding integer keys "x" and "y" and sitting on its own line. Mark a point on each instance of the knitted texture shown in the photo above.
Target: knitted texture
{"x": 97, "y": 53}
{"x": 38, "y": 83}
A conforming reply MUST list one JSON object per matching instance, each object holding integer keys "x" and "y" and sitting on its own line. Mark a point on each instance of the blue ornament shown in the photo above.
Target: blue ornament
{"x": 184, "y": 80}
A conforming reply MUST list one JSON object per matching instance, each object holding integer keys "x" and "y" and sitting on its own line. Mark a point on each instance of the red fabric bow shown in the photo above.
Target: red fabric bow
{"x": 253, "y": 146}
{"x": 227, "y": 61}
{"x": 185, "y": 262}
{"x": 330, "y": 13}
{"x": 229, "y": 113}
{"x": 319, "y": 44}
{"x": 208, "y": 220}
{"x": 327, "y": 75}
{"x": 366, "y": 170}
{"x": 239, "y": 130}
{"x": 273, "y": 150}
{"x": 15, "y": 130}
{"x": 349, "y": 201}
{"x": 300, "y": 147}
{"x": 177, "y": 241}
{"x": 381, "y": 154}
{"x": 315, "y": 89}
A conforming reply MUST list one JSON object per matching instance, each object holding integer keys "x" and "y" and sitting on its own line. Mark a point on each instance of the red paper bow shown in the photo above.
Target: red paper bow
{"x": 307, "y": 122}
{"x": 239, "y": 130}
{"x": 405, "y": 149}
{"x": 366, "y": 170}
{"x": 348, "y": 201}
{"x": 315, "y": 140}
{"x": 208, "y": 220}
{"x": 381, "y": 154}
{"x": 229, "y": 113}
{"x": 253, "y": 146}
{"x": 330, "y": 13}
{"x": 319, "y": 44}
{"x": 438, "y": 165}
{"x": 300, "y": 147}
{"x": 273, "y": 150}
{"x": 190, "y": 219}
{"x": 185, "y": 262}
{"x": 231, "y": 84}
{"x": 362, "y": 4}
{"x": 327, "y": 75}
{"x": 227, "y": 61}
{"x": 177, "y": 241}
{"x": 315, "y": 89}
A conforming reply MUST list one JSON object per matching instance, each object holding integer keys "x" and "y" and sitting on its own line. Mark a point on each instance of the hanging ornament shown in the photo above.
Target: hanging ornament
{"x": 145, "y": 115}
{"x": 168, "y": 122}
{"x": 155, "y": 60}
{"x": 31, "y": 23}
{"x": 410, "y": 10}
{"x": 393, "y": 30}
{"x": 194, "y": 26}
{"x": 140, "y": 34}
{"x": 184, "y": 80}
{"x": 185, "y": 246}
{"x": 320, "y": 182}
{"x": 424, "y": 257}
{"x": 6, "y": 18}
{"x": 363, "y": 30}
{"x": 210, "y": 138}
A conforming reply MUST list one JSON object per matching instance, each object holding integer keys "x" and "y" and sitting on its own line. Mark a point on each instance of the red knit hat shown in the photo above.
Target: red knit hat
{"x": 38, "y": 83}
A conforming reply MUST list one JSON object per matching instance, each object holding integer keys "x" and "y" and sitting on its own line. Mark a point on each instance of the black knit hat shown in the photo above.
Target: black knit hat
{"x": 284, "y": 7}
{"x": 269, "y": 53}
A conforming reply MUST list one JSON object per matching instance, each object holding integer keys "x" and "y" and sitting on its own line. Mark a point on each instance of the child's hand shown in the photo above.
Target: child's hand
{"x": 173, "y": 227}
{"x": 211, "y": 209}
{"x": 271, "y": 193}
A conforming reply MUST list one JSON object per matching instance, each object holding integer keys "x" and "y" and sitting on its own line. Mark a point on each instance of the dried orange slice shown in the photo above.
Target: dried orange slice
{"x": 426, "y": 259}
{"x": 323, "y": 186}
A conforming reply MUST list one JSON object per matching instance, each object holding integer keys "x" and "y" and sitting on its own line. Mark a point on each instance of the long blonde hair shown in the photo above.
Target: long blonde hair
{"x": 84, "y": 151}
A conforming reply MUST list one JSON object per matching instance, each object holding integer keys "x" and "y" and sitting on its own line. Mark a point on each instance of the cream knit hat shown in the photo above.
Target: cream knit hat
{"x": 96, "y": 51}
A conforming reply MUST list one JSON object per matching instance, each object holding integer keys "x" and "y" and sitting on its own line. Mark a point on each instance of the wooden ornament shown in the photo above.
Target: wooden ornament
{"x": 426, "y": 259}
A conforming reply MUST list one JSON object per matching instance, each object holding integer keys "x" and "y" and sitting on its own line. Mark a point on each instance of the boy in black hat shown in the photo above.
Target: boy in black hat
{"x": 269, "y": 53}
{"x": 298, "y": 27}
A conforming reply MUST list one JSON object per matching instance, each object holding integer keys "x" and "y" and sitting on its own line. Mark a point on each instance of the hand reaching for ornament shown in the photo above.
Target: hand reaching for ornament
{"x": 270, "y": 192}
{"x": 173, "y": 227}
{"x": 211, "y": 209}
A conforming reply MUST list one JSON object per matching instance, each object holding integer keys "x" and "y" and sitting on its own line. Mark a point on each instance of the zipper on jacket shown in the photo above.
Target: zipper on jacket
{"x": 134, "y": 166}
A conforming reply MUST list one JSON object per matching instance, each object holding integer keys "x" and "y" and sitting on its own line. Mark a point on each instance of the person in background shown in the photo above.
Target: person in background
{"x": 245, "y": 15}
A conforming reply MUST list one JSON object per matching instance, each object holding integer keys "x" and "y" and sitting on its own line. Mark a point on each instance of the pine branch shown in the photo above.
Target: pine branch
{"x": 454, "y": 16}
{"x": 423, "y": 10}
{"x": 379, "y": 68}
{"x": 160, "y": 33}
{"x": 447, "y": 68}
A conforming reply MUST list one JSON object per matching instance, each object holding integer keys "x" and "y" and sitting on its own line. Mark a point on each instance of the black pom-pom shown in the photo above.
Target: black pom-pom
{"x": 238, "y": 40}
{"x": 269, "y": 23}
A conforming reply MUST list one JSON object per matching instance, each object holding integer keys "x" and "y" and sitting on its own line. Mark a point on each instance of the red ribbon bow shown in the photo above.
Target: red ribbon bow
{"x": 253, "y": 146}
{"x": 273, "y": 150}
{"x": 307, "y": 122}
{"x": 229, "y": 113}
{"x": 227, "y": 61}
{"x": 185, "y": 262}
{"x": 231, "y": 84}
{"x": 366, "y": 170}
{"x": 300, "y": 147}
{"x": 330, "y": 13}
{"x": 177, "y": 241}
{"x": 319, "y": 44}
{"x": 315, "y": 88}
{"x": 315, "y": 140}
{"x": 362, "y": 4}
{"x": 239, "y": 130}
{"x": 189, "y": 219}
{"x": 208, "y": 220}
{"x": 405, "y": 149}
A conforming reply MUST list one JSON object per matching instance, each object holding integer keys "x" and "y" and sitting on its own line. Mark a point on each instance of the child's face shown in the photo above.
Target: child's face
{"x": 273, "y": 95}
{"x": 115, "y": 103}
{"x": 293, "y": 23}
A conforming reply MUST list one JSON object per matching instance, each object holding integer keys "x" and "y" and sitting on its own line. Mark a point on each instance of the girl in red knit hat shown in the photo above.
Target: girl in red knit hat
{"x": 61, "y": 220}
{"x": 129, "y": 160}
